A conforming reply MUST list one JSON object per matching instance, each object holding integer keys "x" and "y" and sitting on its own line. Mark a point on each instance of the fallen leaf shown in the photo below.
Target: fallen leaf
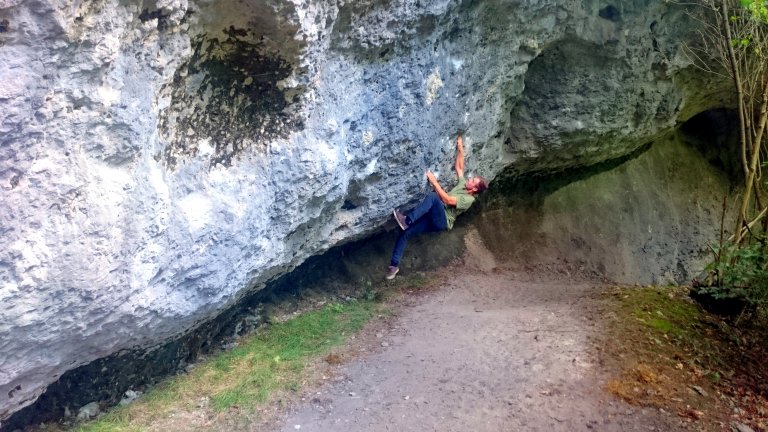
{"x": 692, "y": 414}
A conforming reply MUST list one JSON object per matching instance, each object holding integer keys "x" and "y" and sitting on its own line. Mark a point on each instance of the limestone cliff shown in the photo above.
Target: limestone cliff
{"x": 160, "y": 159}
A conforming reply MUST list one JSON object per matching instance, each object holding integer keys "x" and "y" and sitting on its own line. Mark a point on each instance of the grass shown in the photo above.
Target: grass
{"x": 663, "y": 309}
{"x": 268, "y": 361}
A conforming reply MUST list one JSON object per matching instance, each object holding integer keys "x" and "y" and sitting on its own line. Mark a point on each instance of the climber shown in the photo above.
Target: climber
{"x": 438, "y": 210}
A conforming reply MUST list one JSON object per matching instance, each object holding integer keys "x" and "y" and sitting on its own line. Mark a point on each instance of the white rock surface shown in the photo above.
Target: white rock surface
{"x": 129, "y": 397}
{"x": 88, "y": 411}
{"x": 157, "y": 164}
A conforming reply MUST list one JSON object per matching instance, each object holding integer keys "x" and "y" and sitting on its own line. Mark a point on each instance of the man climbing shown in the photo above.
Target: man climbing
{"x": 438, "y": 210}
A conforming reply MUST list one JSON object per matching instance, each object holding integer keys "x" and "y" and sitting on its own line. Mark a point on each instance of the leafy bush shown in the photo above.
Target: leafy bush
{"x": 741, "y": 274}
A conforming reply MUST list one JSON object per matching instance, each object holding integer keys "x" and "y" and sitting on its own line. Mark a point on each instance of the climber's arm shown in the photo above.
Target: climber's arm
{"x": 460, "y": 156}
{"x": 444, "y": 197}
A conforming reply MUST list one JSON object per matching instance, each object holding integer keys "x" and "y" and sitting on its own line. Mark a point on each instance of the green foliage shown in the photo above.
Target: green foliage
{"x": 743, "y": 42}
{"x": 335, "y": 307}
{"x": 758, "y": 9}
{"x": 715, "y": 376}
{"x": 741, "y": 273}
{"x": 747, "y": 23}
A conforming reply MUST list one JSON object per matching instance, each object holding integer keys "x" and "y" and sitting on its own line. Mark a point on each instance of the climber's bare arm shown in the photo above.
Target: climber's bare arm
{"x": 444, "y": 197}
{"x": 460, "y": 156}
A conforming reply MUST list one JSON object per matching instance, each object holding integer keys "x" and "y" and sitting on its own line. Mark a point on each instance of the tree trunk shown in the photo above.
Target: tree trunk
{"x": 746, "y": 166}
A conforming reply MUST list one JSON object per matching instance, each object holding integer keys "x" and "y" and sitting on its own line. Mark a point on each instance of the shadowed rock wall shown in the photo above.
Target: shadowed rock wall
{"x": 647, "y": 220}
{"x": 161, "y": 160}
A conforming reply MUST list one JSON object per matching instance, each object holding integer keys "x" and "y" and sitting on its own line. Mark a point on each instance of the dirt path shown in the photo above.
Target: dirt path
{"x": 489, "y": 350}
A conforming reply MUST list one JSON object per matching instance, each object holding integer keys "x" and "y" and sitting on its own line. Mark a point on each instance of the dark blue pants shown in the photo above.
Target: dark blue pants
{"x": 428, "y": 216}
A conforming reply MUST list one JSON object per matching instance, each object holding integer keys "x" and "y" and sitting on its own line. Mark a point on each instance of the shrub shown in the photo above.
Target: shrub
{"x": 740, "y": 276}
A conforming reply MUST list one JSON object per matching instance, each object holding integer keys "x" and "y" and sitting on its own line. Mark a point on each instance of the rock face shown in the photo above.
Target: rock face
{"x": 647, "y": 220}
{"x": 159, "y": 162}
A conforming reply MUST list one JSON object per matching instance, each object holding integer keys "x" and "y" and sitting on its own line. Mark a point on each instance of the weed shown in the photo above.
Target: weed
{"x": 715, "y": 376}
{"x": 336, "y": 307}
{"x": 740, "y": 278}
{"x": 370, "y": 295}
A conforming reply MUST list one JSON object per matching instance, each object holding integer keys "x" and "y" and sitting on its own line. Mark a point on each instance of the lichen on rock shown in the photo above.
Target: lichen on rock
{"x": 434, "y": 83}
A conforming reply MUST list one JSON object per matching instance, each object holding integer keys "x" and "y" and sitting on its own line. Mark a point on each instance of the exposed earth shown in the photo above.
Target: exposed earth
{"x": 490, "y": 347}
{"x": 484, "y": 352}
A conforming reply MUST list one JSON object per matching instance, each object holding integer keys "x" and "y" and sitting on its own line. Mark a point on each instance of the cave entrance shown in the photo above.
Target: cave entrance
{"x": 715, "y": 133}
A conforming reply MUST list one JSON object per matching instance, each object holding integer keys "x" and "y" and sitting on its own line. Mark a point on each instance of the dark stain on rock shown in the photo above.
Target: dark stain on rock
{"x": 162, "y": 20}
{"x": 14, "y": 390}
{"x": 345, "y": 38}
{"x": 611, "y": 13}
{"x": 4, "y": 26}
{"x": 516, "y": 185}
{"x": 227, "y": 93}
{"x": 233, "y": 32}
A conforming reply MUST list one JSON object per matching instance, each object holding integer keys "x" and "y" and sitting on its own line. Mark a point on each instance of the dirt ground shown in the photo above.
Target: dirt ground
{"x": 487, "y": 348}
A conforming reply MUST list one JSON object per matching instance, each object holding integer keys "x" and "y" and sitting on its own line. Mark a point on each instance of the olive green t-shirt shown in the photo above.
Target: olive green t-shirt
{"x": 463, "y": 201}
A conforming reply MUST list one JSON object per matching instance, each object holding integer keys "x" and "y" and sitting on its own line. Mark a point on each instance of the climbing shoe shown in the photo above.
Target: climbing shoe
{"x": 391, "y": 272}
{"x": 400, "y": 219}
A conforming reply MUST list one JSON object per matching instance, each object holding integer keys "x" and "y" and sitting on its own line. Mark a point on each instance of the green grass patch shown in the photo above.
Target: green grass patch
{"x": 668, "y": 311}
{"x": 662, "y": 325}
{"x": 268, "y": 360}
